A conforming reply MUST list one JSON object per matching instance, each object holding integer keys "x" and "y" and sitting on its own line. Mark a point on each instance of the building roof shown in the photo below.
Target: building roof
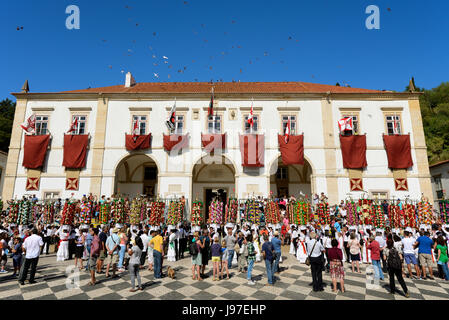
{"x": 225, "y": 87}
{"x": 439, "y": 163}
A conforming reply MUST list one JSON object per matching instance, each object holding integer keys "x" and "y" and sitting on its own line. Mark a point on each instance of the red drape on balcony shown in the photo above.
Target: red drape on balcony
{"x": 211, "y": 142}
{"x": 176, "y": 142}
{"x": 353, "y": 150}
{"x": 292, "y": 152}
{"x": 35, "y": 149}
{"x": 398, "y": 151}
{"x": 252, "y": 148}
{"x": 141, "y": 143}
{"x": 75, "y": 151}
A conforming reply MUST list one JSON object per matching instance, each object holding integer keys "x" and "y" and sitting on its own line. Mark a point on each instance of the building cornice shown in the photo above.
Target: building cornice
{"x": 219, "y": 96}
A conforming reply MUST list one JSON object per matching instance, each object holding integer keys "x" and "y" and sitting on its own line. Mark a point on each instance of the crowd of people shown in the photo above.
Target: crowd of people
{"x": 114, "y": 248}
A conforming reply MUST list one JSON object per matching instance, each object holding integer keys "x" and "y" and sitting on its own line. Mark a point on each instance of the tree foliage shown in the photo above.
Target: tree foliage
{"x": 7, "y": 110}
{"x": 435, "y": 115}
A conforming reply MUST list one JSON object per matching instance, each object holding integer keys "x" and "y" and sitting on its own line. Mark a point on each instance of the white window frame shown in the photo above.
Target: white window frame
{"x": 39, "y": 120}
{"x": 391, "y": 121}
{"x": 355, "y": 121}
{"x": 293, "y": 123}
{"x": 256, "y": 119}
{"x": 177, "y": 122}
{"x": 77, "y": 130}
{"x": 143, "y": 124}
{"x": 213, "y": 119}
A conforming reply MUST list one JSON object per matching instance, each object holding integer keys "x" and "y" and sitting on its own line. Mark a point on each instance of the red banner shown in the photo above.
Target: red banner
{"x": 211, "y": 142}
{"x": 141, "y": 143}
{"x": 293, "y": 151}
{"x": 252, "y": 148}
{"x": 75, "y": 151}
{"x": 353, "y": 150}
{"x": 176, "y": 142}
{"x": 398, "y": 151}
{"x": 34, "y": 151}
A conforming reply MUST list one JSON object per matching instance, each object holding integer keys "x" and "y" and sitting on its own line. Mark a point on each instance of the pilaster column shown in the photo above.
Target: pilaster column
{"x": 98, "y": 147}
{"x": 419, "y": 141}
{"x": 14, "y": 150}
{"x": 329, "y": 152}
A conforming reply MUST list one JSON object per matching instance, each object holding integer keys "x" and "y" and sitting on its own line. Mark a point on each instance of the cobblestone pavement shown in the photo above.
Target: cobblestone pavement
{"x": 52, "y": 282}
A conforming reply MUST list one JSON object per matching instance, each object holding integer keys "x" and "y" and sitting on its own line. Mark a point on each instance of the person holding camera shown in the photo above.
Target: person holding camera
{"x": 315, "y": 251}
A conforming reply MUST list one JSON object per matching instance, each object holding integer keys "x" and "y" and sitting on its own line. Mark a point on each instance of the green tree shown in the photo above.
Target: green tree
{"x": 435, "y": 115}
{"x": 7, "y": 110}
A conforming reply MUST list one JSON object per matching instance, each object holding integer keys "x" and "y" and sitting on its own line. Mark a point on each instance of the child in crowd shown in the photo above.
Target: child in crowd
{"x": 224, "y": 259}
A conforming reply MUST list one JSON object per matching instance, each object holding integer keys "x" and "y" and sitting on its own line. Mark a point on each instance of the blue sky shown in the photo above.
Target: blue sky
{"x": 242, "y": 40}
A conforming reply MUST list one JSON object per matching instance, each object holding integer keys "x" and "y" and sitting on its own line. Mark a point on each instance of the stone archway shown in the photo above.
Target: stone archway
{"x": 291, "y": 180}
{"x": 213, "y": 176}
{"x": 137, "y": 174}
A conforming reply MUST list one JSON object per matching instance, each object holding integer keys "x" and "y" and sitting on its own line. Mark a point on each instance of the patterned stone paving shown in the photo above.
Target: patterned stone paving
{"x": 293, "y": 284}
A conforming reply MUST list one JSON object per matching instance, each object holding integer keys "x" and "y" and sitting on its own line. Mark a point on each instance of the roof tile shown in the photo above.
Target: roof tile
{"x": 225, "y": 87}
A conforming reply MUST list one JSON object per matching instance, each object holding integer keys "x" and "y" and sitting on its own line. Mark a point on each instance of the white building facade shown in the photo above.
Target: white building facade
{"x": 440, "y": 180}
{"x": 107, "y": 114}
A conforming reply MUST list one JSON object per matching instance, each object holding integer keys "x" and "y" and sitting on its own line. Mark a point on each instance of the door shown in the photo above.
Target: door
{"x": 211, "y": 194}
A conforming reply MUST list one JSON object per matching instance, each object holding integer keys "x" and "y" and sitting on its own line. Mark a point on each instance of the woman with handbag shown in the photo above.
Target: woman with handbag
{"x": 315, "y": 260}
{"x": 335, "y": 256}
{"x": 196, "y": 258}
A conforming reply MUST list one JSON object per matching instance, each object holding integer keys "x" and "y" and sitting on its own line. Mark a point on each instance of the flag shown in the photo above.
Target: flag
{"x": 171, "y": 120}
{"x": 250, "y": 118}
{"x": 395, "y": 126}
{"x": 73, "y": 126}
{"x": 211, "y": 104}
{"x": 30, "y": 125}
{"x": 345, "y": 124}
{"x": 136, "y": 130}
{"x": 287, "y": 131}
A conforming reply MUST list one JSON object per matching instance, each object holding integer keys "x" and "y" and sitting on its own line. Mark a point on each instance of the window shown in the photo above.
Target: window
{"x": 255, "y": 124}
{"x": 214, "y": 124}
{"x": 142, "y": 124}
{"x": 51, "y": 195}
{"x": 390, "y": 124}
{"x": 150, "y": 173}
{"x": 179, "y": 124}
{"x": 355, "y": 123}
{"x": 380, "y": 195}
{"x": 292, "y": 124}
{"x": 282, "y": 173}
{"x": 41, "y": 125}
{"x": 81, "y": 127}
{"x": 438, "y": 186}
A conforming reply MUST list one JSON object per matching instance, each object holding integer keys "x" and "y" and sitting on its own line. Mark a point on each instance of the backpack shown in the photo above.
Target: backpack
{"x": 194, "y": 249}
{"x": 394, "y": 261}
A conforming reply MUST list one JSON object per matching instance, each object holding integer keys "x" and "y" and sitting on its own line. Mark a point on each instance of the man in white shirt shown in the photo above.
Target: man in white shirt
{"x": 145, "y": 239}
{"x": 32, "y": 247}
{"x": 314, "y": 251}
{"x": 409, "y": 255}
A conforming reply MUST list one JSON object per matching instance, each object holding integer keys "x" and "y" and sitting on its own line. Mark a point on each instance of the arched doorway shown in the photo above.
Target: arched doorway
{"x": 291, "y": 180}
{"x": 213, "y": 176}
{"x": 135, "y": 175}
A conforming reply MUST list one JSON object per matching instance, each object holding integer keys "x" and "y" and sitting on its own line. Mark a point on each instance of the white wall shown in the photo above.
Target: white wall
{"x": 177, "y": 169}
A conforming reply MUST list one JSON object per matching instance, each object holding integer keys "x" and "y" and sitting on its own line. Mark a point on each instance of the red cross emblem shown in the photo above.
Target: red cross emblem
{"x": 356, "y": 184}
{"x": 32, "y": 184}
{"x": 401, "y": 184}
{"x": 71, "y": 184}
